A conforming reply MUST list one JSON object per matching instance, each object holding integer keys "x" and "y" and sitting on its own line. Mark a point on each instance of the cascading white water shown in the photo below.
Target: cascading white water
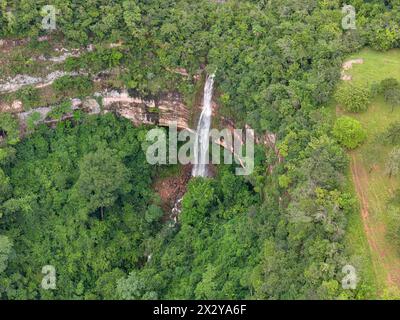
{"x": 201, "y": 144}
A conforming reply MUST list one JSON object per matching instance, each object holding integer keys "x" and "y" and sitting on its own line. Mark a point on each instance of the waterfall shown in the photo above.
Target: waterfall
{"x": 201, "y": 144}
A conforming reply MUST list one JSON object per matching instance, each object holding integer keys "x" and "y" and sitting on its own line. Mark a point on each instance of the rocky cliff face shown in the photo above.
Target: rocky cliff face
{"x": 162, "y": 111}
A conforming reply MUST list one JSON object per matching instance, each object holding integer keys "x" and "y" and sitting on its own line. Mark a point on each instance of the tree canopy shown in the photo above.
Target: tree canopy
{"x": 349, "y": 132}
{"x": 80, "y": 196}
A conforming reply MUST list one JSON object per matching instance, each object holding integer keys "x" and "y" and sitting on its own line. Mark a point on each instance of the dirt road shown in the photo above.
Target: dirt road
{"x": 384, "y": 255}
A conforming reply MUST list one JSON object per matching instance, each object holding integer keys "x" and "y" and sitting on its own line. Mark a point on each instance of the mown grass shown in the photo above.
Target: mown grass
{"x": 357, "y": 248}
{"x": 372, "y": 156}
{"x": 376, "y": 67}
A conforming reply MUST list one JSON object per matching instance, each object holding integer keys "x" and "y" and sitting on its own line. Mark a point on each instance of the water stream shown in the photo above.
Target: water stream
{"x": 201, "y": 145}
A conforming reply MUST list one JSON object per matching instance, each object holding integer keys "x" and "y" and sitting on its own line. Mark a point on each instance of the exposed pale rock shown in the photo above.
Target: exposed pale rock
{"x": 14, "y": 107}
{"x": 19, "y": 81}
{"x": 76, "y": 103}
{"x": 347, "y": 66}
{"x": 43, "y": 111}
{"x": 91, "y": 106}
{"x": 163, "y": 111}
{"x": 43, "y": 38}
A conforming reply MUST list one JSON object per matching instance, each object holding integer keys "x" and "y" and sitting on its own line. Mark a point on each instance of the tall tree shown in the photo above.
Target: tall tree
{"x": 103, "y": 177}
{"x": 390, "y": 89}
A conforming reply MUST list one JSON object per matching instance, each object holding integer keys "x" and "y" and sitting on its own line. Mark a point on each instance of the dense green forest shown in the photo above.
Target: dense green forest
{"x": 79, "y": 196}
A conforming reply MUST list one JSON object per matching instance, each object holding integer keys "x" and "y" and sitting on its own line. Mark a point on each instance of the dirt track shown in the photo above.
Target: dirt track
{"x": 384, "y": 255}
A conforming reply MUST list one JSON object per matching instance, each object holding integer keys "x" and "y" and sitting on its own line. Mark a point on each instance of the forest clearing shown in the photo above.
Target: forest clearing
{"x": 373, "y": 185}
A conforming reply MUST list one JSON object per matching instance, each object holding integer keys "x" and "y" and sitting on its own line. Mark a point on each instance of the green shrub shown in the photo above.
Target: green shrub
{"x": 58, "y": 111}
{"x": 33, "y": 120}
{"x": 78, "y": 85}
{"x": 96, "y": 61}
{"x": 392, "y": 134}
{"x": 390, "y": 88}
{"x": 393, "y": 233}
{"x": 353, "y": 98}
{"x": 29, "y": 97}
{"x": 9, "y": 126}
{"x": 349, "y": 132}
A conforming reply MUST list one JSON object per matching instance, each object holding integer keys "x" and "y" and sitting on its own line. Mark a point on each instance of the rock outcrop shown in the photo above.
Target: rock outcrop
{"x": 162, "y": 111}
{"x": 347, "y": 66}
{"x": 14, "y": 84}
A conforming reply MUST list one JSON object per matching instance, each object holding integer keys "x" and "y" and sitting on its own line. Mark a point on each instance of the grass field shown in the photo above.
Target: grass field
{"x": 374, "y": 188}
{"x": 376, "y": 67}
